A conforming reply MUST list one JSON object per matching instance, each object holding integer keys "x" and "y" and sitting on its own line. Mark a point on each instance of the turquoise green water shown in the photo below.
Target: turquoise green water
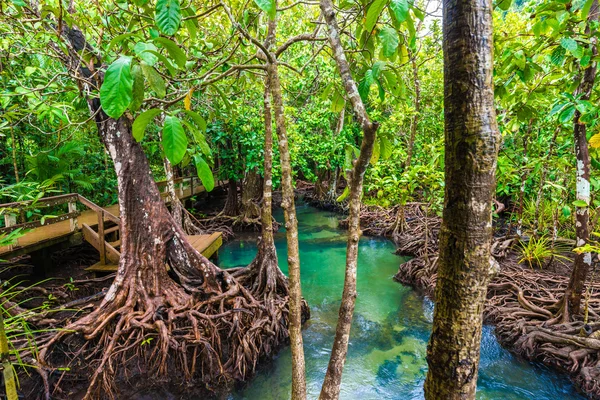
{"x": 386, "y": 358}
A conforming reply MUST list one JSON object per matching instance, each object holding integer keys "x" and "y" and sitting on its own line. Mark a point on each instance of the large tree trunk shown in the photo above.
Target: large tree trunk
{"x": 583, "y": 261}
{"x": 472, "y": 142}
{"x": 251, "y": 193}
{"x": 232, "y": 205}
{"x": 169, "y": 311}
{"x": 333, "y": 377}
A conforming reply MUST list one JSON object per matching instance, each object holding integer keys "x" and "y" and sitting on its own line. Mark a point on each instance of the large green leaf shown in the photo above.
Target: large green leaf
{"x": 400, "y": 9}
{"x": 558, "y": 56}
{"x": 116, "y": 91}
{"x": 373, "y": 13}
{"x": 138, "y": 88}
{"x": 174, "y": 51}
{"x": 386, "y": 148}
{"x": 389, "y": 40}
{"x": 155, "y": 81}
{"x": 174, "y": 140}
{"x": 142, "y": 121}
{"x": 568, "y": 44}
{"x": 267, "y": 6}
{"x": 197, "y": 118}
{"x": 337, "y": 102}
{"x": 376, "y": 152}
{"x": 168, "y": 16}
{"x": 204, "y": 173}
{"x": 503, "y": 4}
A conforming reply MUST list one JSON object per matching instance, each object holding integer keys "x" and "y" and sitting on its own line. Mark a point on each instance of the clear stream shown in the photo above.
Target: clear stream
{"x": 392, "y": 323}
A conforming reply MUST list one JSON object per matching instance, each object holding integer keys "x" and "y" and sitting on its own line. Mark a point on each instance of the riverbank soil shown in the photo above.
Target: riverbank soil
{"x": 523, "y": 302}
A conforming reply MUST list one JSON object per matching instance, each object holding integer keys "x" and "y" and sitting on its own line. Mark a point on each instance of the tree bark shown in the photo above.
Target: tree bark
{"x": 333, "y": 377}
{"x": 583, "y": 261}
{"x": 415, "y": 121}
{"x": 14, "y": 154}
{"x": 232, "y": 206}
{"x": 251, "y": 193}
{"x": 291, "y": 227}
{"x": 472, "y": 142}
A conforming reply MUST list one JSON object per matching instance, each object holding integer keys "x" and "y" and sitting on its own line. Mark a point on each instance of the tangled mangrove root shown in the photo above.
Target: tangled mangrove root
{"x": 525, "y": 306}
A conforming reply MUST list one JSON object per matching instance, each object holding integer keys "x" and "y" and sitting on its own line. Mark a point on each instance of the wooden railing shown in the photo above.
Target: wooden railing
{"x": 11, "y": 211}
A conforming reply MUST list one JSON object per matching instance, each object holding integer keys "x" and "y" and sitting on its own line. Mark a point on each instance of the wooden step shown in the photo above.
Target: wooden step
{"x": 98, "y": 267}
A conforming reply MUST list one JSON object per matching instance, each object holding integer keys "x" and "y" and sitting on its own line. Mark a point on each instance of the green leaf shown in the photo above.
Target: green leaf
{"x": 567, "y": 114}
{"x": 141, "y": 122}
{"x": 364, "y": 86}
{"x": 174, "y": 51}
{"x": 376, "y": 152}
{"x": 585, "y": 10}
{"x": 141, "y": 49}
{"x": 118, "y": 39}
{"x": 138, "y": 88}
{"x": 116, "y": 91}
{"x": 504, "y": 4}
{"x": 389, "y": 40}
{"x": 168, "y": 16}
{"x": 580, "y": 203}
{"x": 373, "y": 13}
{"x": 199, "y": 138}
{"x": 558, "y": 56}
{"x": 337, "y": 102}
{"x": 204, "y": 173}
{"x": 268, "y": 6}
{"x": 377, "y": 69}
{"x": 156, "y": 82}
{"x": 568, "y": 44}
{"x": 174, "y": 140}
{"x": 344, "y": 195}
{"x": 400, "y": 9}
{"x": 165, "y": 61}
{"x": 197, "y": 118}
{"x": 386, "y": 148}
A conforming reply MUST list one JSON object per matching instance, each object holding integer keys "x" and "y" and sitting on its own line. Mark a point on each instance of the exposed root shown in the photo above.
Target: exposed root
{"x": 176, "y": 326}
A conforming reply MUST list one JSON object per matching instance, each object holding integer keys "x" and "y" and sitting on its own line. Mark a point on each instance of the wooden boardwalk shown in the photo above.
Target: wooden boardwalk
{"x": 70, "y": 227}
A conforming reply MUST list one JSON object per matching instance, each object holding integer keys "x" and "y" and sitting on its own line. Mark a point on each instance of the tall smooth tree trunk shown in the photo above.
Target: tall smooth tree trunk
{"x": 415, "y": 121}
{"x": 472, "y": 142}
{"x": 583, "y": 261}
{"x": 333, "y": 377}
{"x": 291, "y": 232}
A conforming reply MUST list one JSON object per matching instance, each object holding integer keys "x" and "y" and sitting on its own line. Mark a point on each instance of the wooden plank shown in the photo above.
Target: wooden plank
{"x": 98, "y": 267}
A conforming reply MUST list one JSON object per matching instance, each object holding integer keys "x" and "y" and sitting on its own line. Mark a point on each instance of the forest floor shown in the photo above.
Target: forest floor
{"x": 524, "y": 304}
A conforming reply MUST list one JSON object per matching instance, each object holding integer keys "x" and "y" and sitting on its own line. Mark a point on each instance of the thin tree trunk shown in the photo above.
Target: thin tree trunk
{"x": 415, "y": 121}
{"x": 333, "y": 377}
{"x": 291, "y": 227}
{"x": 333, "y": 180}
{"x": 472, "y": 142}
{"x": 583, "y": 261}
{"x": 14, "y": 154}
{"x": 176, "y": 206}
